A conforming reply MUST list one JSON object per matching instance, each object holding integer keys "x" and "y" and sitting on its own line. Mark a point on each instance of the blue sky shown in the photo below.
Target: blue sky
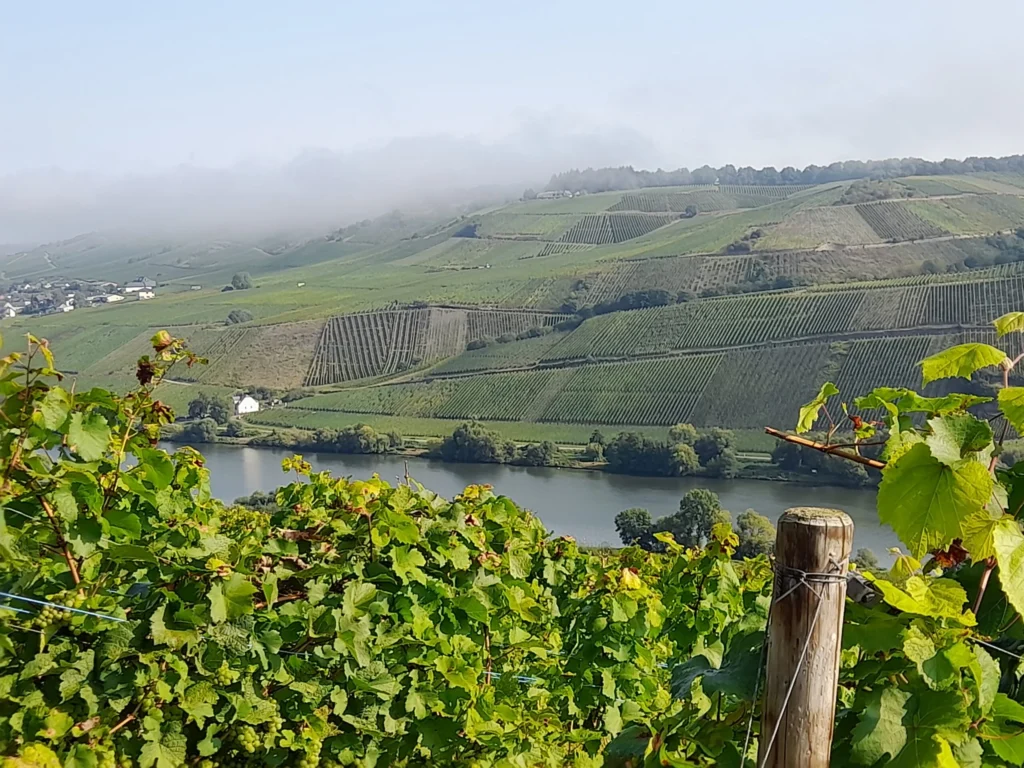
{"x": 127, "y": 86}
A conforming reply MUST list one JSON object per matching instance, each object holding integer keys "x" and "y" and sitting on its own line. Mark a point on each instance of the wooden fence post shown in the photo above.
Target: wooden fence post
{"x": 804, "y": 638}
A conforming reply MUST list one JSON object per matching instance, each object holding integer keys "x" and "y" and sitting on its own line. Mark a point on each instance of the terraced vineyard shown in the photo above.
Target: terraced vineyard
{"x": 516, "y": 354}
{"x": 617, "y": 228}
{"x": 814, "y": 226}
{"x": 895, "y": 221}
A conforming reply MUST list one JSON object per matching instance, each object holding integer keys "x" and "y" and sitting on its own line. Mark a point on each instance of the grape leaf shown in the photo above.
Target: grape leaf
{"x": 88, "y": 435}
{"x": 1011, "y": 403}
{"x": 406, "y": 563}
{"x": 157, "y": 467}
{"x": 880, "y": 730}
{"x": 231, "y": 598}
{"x": 961, "y": 361}
{"x": 936, "y": 598}
{"x": 809, "y": 413}
{"x": 168, "y": 752}
{"x": 1008, "y": 543}
{"x": 53, "y": 409}
{"x": 957, "y": 436}
{"x": 1009, "y": 323}
{"x": 164, "y": 635}
{"x": 927, "y": 503}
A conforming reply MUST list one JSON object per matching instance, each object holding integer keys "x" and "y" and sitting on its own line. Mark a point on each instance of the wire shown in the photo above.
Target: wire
{"x": 61, "y": 607}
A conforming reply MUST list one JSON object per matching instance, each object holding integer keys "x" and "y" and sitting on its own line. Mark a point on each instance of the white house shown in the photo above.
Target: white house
{"x": 111, "y": 298}
{"x": 8, "y": 310}
{"x": 245, "y": 404}
{"x": 139, "y": 284}
{"x": 146, "y": 295}
{"x": 67, "y": 306}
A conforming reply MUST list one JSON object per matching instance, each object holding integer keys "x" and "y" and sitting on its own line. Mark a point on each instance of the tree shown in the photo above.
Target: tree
{"x": 866, "y": 560}
{"x": 471, "y": 442}
{"x": 201, "y": 431}
{"x": 593, "y": 452}
{"x": 240, "y": 281}
{"x": 710, "y": 444}
{"x": 214, "y": 407}
{"x": 683, "y": 433}
{"x": 236, "y": 316}
{"x": 756, "y": 534}
{"x": 690, "y": 212}
{"x": 684, "y": 459}
{"x": 630, "y": 453}
{"x": 476, "y": 344}
{"x": 529, "y": 194}
{"x": 597, "y": 436}
{"x": 726, "y": 464}
{"x": 235, "y": 428}
{"x": 699, "y": 511}
{"x": 634, "y": 527}
{"x": 260, "y": 501}
{"x": 537, "y": 454}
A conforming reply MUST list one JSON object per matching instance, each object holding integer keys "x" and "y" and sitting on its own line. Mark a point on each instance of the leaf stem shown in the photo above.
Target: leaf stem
{"x": 61, "y": 541}
{"x": 990, "y": 565}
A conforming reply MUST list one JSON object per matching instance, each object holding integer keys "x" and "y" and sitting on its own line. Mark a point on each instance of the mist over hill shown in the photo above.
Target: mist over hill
{"x": 316, "y": 190}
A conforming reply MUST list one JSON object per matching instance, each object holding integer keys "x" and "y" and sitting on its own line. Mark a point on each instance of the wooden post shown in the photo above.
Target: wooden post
{"x": 804, "y": 638}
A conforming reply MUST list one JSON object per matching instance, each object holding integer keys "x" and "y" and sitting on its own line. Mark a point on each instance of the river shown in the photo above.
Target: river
{"x": 579, "y": 503}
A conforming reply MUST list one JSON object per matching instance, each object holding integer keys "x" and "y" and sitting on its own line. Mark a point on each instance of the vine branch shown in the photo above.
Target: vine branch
{"x": 832, "y": 450}
{"x": 61, "y": 541}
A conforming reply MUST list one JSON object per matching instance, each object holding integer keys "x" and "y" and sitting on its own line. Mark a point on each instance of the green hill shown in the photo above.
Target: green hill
{"x": 760, "y": 293}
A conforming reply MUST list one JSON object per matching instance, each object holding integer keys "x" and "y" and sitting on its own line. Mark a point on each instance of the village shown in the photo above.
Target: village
{"x": 53, "y": 295}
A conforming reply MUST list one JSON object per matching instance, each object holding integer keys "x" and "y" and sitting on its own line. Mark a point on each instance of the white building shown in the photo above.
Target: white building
{"x": 146, "y": 295}
{"x": 8, "y": 310}
{"x": 112, "y": 298}
{"x": 245, "y": 404}
{"x": 67, "y": 306}
{"x": 139, "y": 284}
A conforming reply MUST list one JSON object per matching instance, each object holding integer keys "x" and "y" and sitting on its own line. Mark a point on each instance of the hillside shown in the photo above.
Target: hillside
{"x": 517, "y": 315}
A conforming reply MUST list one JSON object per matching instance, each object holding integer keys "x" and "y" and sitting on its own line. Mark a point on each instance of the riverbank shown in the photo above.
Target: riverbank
{"x": 582, "y": 504}
{"x": 749, "y": 466}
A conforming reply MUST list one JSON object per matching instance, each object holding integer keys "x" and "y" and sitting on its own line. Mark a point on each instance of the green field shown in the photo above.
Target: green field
{"x": 375, "y": 319}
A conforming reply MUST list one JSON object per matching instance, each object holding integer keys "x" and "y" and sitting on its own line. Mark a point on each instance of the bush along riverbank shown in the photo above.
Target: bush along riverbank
{"x": 688, "y": 452}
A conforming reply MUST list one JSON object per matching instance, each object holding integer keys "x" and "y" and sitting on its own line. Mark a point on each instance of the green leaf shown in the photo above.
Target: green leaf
{"x": 406, "y": 563}
{"x": 1003, "y": 730}
{"x": 1011, "y": 403}
{"x": 81, "y": 756}
{"x": 400, "y": 525}
{"x": 472, "y": 607}
{"x": 156, "y": 466}
{"x": 358, "y": 595}
{"x": 231, "y": 598}
{"x": 1009, "y": 323}
{"x": 1008, "y": 543}
{"x": 270, "y": 589}
{"x": 124, "y": 523}
{"x": 809, "y": 413}
{"x": 935, "y": 598}
{"x": 53, "y": 409}
{"x": 986, "y": 674}
{"x": 928, "y": 503}
{"x": 175, "y": 637}
{"x": 131, "y": 553}
{"x": 168, "y": 752}
{"x": 612, "y": 719}
{"x": 88, "y": 435}
{"x": 958, "y": 436}
{"x": 961, "y": 361}
{"x": 458, "y": 673}
{"x": 198, "y": 701}
{"x": 880, "y": 730}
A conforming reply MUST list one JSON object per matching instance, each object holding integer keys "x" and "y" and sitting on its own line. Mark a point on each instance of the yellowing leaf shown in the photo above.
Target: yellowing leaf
{"x": 961, "y": 361}
{"x": 630, "y": 579}
{"x": 1009, "y": 323}
{"x": 1008, "y": 543}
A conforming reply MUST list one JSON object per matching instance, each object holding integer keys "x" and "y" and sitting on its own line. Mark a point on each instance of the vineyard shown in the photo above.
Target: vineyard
{"x": 525, "y": 225}
{"x": 613, "y": 228}
{"x": 760, "y": 318}
{"x": 642, "y": 393}
{"x": 367, "y": 345}
{"x": 897, "y": 221}
{"x": 811, "y": 227}
{"x": 375, "y": 344}
{"x": 515, "y": 354}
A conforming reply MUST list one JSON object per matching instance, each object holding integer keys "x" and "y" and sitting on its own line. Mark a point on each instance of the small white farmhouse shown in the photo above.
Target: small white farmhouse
{"x": 145, "y": 295}
{"x": 245, "y": 404}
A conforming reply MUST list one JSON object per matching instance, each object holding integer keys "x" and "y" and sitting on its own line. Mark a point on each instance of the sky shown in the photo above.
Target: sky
{"x": 106, "y": 103}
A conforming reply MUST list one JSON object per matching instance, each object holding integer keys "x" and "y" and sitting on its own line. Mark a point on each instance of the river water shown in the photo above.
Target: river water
{"x": 579, "y": 503}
